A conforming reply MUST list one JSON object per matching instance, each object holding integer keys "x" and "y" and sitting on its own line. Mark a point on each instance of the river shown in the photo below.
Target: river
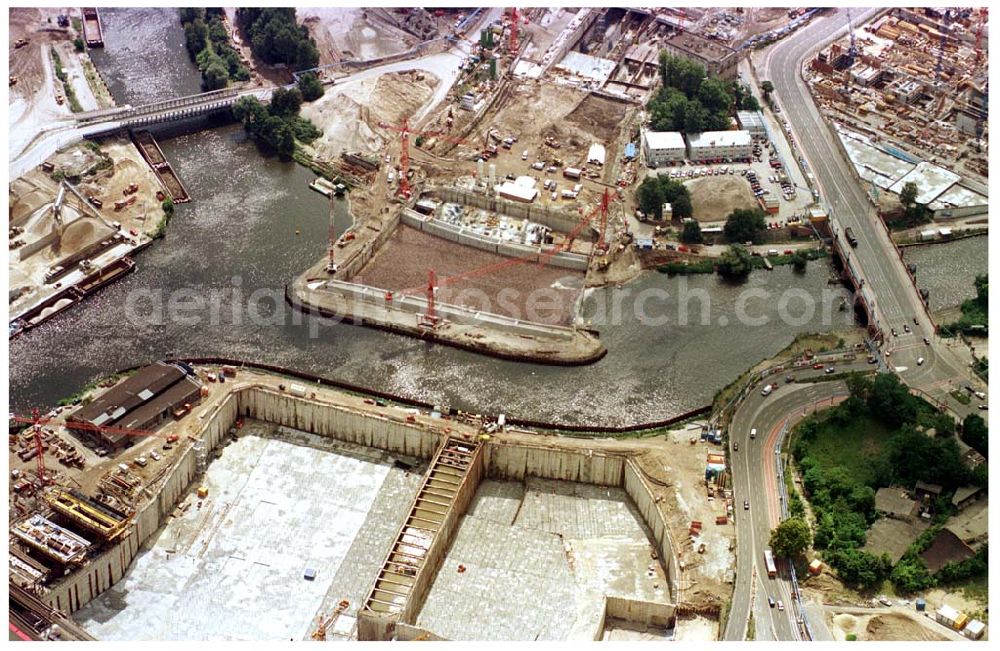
{"x": 253, "y": 225}
{"x": 949, "y": 269}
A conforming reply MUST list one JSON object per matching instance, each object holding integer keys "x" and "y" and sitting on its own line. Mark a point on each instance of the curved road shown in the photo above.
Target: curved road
{"x": 756, "y": 478}
{"x": 896, "y": 301}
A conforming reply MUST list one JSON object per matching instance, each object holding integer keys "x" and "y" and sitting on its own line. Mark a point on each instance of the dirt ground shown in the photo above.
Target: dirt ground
{"x": 676, "y": 471}
{"x": 501, "y": 288}
{"x": 714, "y": 197}
{"x": 344, "y": 33}
{"x": 893, "y": 626}
{"x": 349, "y": 115}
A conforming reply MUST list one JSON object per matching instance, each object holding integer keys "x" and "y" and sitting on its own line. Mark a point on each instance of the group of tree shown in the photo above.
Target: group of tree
{"x": 791, "y": 538}
{"x": 207, "y": 42}
{"x": 843, "y": 498}
{"x": 975, "y": 434}
{"x": 692, "y": 101}
{"x": 975, "y": 311}
{"x": 277, "y": 125}
{"x": 275, "y": 37}
{"x": 745, "y": 225}
{"x": 654, "y": 191}
{"x": 310, "y": 87}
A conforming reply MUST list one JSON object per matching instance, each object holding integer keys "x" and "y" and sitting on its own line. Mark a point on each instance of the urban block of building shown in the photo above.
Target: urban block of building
{"x": 717, "y": 145}
{"x": 662, "y": 147}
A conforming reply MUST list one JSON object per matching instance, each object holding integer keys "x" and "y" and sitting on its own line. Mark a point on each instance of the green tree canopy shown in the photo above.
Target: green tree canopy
{"x": 745, "y": 225}
{"x": 766, "y": 87}
{"x": 736, "y": 262}
{"x": 791, "y": 538}
{"x": 285, "y": 103}
{"x": 975, "y": 434}
{"x": 691, "y": 234}
{"x": 654, "y": 191}
{"x": 310, "y": 87}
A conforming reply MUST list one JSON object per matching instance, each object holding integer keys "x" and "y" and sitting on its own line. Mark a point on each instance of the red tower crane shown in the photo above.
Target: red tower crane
{"x": 513, "y": 30}
{"x": 605, "y": 202}
{"x": 404, "y": 152}
{"x": 983, "y": 12}
{"x": 36, "y": 425}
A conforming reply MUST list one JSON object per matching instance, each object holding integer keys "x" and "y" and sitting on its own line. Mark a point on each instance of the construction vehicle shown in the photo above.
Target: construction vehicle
{"x": 21, "y": 42}
{"x": 320, "y": 633}
{"x": 131, "y": 188}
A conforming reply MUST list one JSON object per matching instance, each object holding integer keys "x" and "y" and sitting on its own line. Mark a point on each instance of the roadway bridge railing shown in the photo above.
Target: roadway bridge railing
{"x": 158, "y": 107}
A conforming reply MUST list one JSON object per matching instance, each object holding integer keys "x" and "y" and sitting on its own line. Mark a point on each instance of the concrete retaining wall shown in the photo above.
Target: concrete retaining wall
{"x": 641, "y": 493}
{"x": 459, "y": 235}
{"x": 31, "y": 248}
{"x": 349, "y": 268}
{"x": 389, "y": 432}
{"x": 645, "y": 613}
{"x": 557, "y": 220}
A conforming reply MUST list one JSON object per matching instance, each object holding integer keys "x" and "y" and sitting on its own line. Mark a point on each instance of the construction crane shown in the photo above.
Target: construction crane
{"x": 605, "y": 202}
{"x": 320, "y": 633}
{"x": 852, "y": 51}
{"x": 939, "y": 67}
{"x": 983, "y": 13}
{"x": 404, "y": 154}
{"x": 430, "y": 318}
{"x": 36, "y": 426}
{"x": 513, "y": 31}
{"x": 96, "y": 429}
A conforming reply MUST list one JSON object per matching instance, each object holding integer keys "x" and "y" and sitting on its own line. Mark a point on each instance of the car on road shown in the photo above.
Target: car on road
{"x": 882, "y": 599}
{"x": 906, "y": 328}
{"x": 770, "y": 602}
{"x": 789, "y": 379}
{"x": 829, "y": 369}
{"x": 927, "y": 341}
{"x": 746, "y": 505}
{"x": 983, "y": 407}
{"x": 753, "y": 433}
{"x": 920, "y": 361}
{"x": 872, "y": 360}
{"x": 817, "y": 366}
{"x": 980, "y": 395}
{"x": 766, "y": 391}
{"x": 736, "y": 446}
{"x": 893, "y": 330}
{"x": 781, "y": 605}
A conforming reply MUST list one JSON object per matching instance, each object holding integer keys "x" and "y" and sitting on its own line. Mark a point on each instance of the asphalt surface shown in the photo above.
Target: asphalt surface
{"x": 756, "y": 478}
{"x": 896, "y": 300}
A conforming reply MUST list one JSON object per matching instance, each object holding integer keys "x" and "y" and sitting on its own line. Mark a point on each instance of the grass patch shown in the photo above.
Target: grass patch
{"x": 977, "y": 588}
{"x": 961, "y": 396}
{"x": 850, "y": 446}
{"x": 74, "y": 103}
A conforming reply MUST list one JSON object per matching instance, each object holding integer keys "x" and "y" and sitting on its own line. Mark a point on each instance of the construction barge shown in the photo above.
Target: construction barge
{"x": 92, "y": 33}
{"x": 63, "y": 300}
{"x": 152, "y": 154}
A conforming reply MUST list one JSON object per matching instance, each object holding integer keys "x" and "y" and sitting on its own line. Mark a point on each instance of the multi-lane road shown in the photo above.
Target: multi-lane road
{"x": 756, "y": 479}
{"x": 896, "y": 301}
{"x": 897, "y": 306}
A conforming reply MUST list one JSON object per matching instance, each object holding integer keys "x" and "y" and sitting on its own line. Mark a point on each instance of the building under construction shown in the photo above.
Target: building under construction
{"x": 434, "y": 525}
{"x": 915, "y": 80}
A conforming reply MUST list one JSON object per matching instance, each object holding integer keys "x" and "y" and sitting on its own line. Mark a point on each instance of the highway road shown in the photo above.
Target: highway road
{"x": 755, "y": 473}
{"x": 896, "y": 300}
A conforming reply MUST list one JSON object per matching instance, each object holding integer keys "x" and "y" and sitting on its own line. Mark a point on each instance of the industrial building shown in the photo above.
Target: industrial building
{"x": 752, "y": 121}
{"x": 719, "y": 145}
{"x": 663, "y": 147}
{"x": 718, "y": 59}
{"x": 141, "y": 402}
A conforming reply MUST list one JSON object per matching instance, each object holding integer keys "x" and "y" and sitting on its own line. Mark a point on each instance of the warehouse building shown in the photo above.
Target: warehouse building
{"x": 718, "y": 59}
{"x": 719, "y": 146}
{"x": 141, "y": 402}
{"x": 752, "y": 121}
{"x": 663, "y": 147}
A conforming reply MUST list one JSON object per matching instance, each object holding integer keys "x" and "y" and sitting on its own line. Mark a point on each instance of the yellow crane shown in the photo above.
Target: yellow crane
{"x": 320, "y": 632}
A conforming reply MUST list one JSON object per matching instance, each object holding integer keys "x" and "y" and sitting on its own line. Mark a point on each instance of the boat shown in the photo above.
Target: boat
{"x": 324, "y": 187}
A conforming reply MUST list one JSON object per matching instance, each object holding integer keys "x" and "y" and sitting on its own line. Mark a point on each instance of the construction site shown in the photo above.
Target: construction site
{"x": 436, "y": 524}
{"x": 909, "y": 93}
{"x": 74, "y": 223}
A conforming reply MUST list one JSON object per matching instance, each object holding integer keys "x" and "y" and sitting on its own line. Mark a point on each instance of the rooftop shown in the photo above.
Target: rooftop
{"x": 719, "y": 139}
{"x": 894, "y": 501}
{"x": 664, "y": 140}
{"x": 700, "y": 47}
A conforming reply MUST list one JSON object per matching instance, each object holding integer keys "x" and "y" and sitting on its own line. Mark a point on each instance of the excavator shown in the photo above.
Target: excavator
{"x": 320, "y": 633}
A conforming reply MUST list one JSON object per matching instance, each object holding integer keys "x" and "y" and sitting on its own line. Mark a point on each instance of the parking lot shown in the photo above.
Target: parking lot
{"x": 767, "y": 181}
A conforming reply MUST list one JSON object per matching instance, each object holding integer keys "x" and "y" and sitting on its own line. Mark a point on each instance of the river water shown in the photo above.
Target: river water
{"x": 949, "y": 269}
{"x": 253, "y": 226}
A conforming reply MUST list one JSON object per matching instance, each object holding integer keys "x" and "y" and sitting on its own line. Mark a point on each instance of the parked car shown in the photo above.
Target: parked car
{"x": 817, "y": 366}
{"x": 746, "y": 505}
{"x": 770, "y": 602}
{"x": 781, "y": 606}
{"x": 829, "y": 369}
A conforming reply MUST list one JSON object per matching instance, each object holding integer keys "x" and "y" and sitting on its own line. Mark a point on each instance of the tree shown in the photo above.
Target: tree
{"x": 251, "y": 113}
{"x": 78, "y": 44}
{"x": 695, "y": 117}
{"x": 216, "y": 76}
{"x": 736, "y": 262}
{"x": 285, "y": 103}
{"x": 799, "y": 261}
{"x": 654, "y": 191}
{"x": 191, "y": 14}
{"x": 195, "y": 37}
{"x": 745, "y": 225}
{"x": 310, "y": 87}
{"x": 692, "y": 233}
{"x": 890, "y": 401}
{"x": 714, "y": 94}
{"x": 791, "y": 537}
{"x": 911, "y": 575}
{"x": 975, "y": 434}
{"x": 908, "y": 196}
{"x": 766, "y": 87}
{"x": 861, "y": 568}
{"x": 168, "y": 206}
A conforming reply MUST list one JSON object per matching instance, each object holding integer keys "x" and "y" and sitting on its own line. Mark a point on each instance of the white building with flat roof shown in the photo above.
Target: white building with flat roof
{"x": 662, "y": 147}
{"x": 752, "y": 121}
{"x": 719, "y": 145}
